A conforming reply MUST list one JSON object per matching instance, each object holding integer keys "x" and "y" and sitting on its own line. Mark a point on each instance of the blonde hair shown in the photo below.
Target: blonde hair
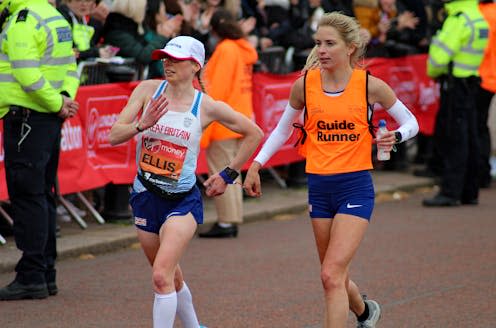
{"x": 349, "y": 30}
{"x": 134, "y": 9}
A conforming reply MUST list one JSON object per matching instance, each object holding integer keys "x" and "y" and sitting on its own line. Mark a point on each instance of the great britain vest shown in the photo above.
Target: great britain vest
{"x": 167, "y": 152}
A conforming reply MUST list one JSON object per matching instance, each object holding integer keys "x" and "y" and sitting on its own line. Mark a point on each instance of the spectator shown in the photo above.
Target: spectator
{"x": 405, "y": 35}
{"x": 254, "y": 9}
{"x": 208, "y": 8}
{"x": 100, "y": 12}
{"x": 392, "y": 27}
{"x": 124, "y": 29}
{"x": 202, "y": 24}
{"x": 304, "y": 17}
{"x": 233, "y": 57}
{"x": 278, "y": 23}
{"x": 418, "y": 8}
{"x": 156, "y": 18}
{"x": 85, "y": 39}
{"x": 367, "y": 14}
{"x": 190, "y": 10}
{"x": 455, "y": 55}
{"x": 97, "y": 16}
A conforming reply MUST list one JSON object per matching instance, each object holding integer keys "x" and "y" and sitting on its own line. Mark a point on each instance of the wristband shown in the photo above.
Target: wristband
{"x": 228, "y": 175}
{"x": 138, "y": 128}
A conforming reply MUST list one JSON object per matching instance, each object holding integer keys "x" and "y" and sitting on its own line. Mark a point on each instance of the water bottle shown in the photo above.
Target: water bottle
{"x": 382, "y": 154}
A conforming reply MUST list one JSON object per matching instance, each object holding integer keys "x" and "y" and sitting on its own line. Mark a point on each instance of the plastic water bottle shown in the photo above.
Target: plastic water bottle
{"x": 382, "y": 154}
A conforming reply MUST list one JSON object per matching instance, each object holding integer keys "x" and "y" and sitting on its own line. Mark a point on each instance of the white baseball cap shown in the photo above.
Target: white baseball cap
{"x": 182, "y": 48}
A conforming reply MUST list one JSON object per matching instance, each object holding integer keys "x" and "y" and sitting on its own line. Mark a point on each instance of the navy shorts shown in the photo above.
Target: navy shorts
{"x": 150, "y": 211}
{"x": 345, "y": 193}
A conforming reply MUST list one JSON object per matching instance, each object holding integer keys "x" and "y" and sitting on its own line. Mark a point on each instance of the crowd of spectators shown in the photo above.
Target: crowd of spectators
{"x": 392, "y": 27}
{"x": 281, "y": 28}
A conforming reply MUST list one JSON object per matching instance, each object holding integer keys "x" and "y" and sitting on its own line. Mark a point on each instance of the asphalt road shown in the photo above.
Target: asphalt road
{"x": 427, "y": 267}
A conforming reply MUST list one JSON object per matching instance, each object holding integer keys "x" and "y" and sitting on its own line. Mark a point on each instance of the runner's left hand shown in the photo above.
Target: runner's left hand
{"x": 215, "y": 185}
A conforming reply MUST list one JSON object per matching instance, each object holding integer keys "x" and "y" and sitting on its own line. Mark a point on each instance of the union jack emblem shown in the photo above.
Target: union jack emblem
{"x": 140, "y": 221}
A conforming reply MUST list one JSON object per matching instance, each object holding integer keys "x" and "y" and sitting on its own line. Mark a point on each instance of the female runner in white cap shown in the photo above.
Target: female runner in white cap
{"x": 169, "y": 116}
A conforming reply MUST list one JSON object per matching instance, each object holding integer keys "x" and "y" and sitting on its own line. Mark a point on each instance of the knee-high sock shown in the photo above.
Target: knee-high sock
{"x": 185, "y": 309}
{"x": 164, "y": 310}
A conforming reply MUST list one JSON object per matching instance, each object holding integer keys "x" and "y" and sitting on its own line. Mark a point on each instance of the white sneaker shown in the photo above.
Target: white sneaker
{"x": 374, "y": 315}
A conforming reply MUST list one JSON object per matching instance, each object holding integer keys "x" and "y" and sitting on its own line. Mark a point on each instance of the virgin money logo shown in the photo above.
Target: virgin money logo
{"x": 151, "y": 144}
{"x": 92, "y": 128}
{"x": 100, "y": 115}
{"x": 99, "y": 126}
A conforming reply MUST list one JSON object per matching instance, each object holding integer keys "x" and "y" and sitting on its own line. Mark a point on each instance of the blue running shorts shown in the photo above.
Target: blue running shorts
{"x": 150, "y": 211}
{"x": 345, "y": 193}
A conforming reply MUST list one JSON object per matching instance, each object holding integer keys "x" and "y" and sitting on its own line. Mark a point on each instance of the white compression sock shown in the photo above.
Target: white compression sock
{"x": 164, "y": 310}
{"x": 185, "y": 309}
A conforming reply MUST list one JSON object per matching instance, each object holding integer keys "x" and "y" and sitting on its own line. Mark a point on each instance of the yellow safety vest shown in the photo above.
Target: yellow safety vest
{"x": 461, "y": 41}
{"x": 81, "y": 33}
{"x": 37, "y": 61}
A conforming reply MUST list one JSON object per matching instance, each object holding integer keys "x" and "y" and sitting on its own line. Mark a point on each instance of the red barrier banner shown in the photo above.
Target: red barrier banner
{"x": 88, "y": 161}
{"x": 407, "y": 77}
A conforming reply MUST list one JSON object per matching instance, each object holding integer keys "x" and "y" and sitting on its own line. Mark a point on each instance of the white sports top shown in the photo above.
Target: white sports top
{"x": 167, "y": 152}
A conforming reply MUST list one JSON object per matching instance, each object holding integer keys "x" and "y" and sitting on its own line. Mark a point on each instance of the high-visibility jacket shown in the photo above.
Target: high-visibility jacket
{"x": 487, "y": 68}
{"x": 37, "y": 62}
{"x": 82, "y": 33}
{"x": 461, "y": 41}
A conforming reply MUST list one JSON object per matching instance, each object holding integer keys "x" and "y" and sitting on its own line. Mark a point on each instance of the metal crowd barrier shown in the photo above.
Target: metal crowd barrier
{"x": 97, "y": 71}
{"x": 273, "y": 60}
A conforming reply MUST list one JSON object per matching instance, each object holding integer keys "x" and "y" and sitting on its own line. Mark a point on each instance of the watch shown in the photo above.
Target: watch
{"x": 397, "y": 137}
{"x": 232, "y": 174}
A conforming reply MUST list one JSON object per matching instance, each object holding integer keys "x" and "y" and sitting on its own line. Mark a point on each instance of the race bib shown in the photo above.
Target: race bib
{"x": 162, "y": 158}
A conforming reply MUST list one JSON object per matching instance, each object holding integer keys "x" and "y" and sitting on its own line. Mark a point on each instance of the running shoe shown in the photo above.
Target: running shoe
{"x": 374, "y": 315}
